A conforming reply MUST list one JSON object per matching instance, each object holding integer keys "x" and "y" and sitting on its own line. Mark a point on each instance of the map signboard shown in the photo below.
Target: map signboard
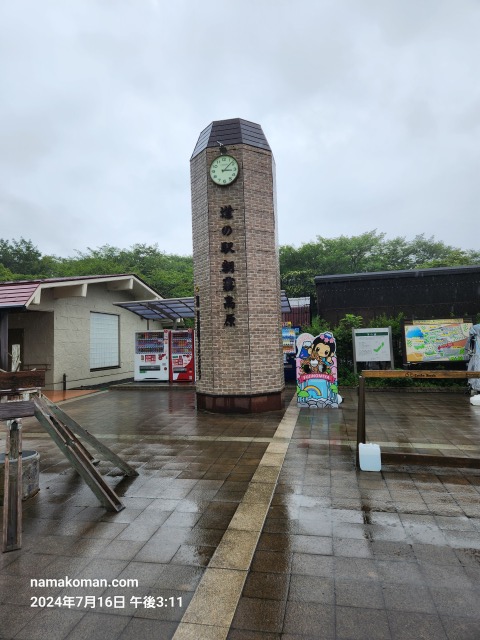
{"x": 436, "y": 340}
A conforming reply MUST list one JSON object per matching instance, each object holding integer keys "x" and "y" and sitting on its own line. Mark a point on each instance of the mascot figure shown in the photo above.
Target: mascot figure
{"x": 316, "y": 363}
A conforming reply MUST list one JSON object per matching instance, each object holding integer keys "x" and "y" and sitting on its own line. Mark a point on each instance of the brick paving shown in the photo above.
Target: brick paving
{"x": 341, "y": 553}
{"x": 353, "y": 555}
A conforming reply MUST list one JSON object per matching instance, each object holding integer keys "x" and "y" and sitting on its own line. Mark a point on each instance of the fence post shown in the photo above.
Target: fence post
{"x": 360, "y": 418}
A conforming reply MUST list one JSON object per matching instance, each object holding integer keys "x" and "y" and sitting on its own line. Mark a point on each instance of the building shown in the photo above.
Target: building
{"x": 72, "y": 328}
{"x": 236, "y": 269}
{"x": 443, "y": 292}
{"x": 300, "y": 313}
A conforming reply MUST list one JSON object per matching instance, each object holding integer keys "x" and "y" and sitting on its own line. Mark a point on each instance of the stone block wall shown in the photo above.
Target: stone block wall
{"x": 245, "y": 359}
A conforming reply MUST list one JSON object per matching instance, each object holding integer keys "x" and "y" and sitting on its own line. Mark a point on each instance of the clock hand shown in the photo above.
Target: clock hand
{"x": 227, "y": 166}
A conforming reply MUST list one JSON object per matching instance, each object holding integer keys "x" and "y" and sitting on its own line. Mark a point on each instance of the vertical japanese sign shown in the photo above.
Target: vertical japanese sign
{"x": 228, "y": 265}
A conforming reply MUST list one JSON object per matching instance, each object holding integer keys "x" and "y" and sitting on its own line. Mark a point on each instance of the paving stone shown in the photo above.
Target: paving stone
{"x": 461, "y": 628}
{"x": 460, "y": 602}
{"x": 54, "y": 624}
{"x": 313, "y": 565}
{"x": 13, "y": 618}
{"x": 312, "y": 589}
{"x": 341, "y": 554}
{"x": 269, "y": 586}
{"x": 99, "y": 626}
{"x": 144, "y": 628}
{"x": 361, "y": 624}
{"x": 321, "y": 545}
{"x": 353, "y": 593}
{"x": 352, "y": 548}
{"x": 311, "y": 619}
{"x": 408, "y": 597}
{"x": 415, "y": 625}
{"x": 243, "y": 634}
{"x": 258, "y": 614}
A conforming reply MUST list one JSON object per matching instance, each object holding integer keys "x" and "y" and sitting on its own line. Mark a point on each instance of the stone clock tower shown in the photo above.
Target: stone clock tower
{"x": 236, "y": 267}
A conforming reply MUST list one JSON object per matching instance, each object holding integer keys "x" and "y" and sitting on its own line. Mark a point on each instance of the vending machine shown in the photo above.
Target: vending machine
{"x": 289, "y": 337}
{"x": 152, "y": 355}
{"x": 182, "y": 355}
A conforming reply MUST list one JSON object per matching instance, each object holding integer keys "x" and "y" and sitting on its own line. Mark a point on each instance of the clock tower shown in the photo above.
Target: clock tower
{"x": 236, "y": 270}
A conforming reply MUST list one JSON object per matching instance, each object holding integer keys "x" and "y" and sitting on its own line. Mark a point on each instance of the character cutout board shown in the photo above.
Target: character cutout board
{"x": 316, "y": 362}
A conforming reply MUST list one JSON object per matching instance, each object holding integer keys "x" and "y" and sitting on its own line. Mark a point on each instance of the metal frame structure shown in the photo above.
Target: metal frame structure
{"x": 174, "y": 309}
{"x": 410, "y": 458}
{"x": 17, "y": 403}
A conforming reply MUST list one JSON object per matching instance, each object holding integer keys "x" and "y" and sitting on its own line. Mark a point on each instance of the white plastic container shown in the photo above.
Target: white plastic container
{"x": 370, "y": 458}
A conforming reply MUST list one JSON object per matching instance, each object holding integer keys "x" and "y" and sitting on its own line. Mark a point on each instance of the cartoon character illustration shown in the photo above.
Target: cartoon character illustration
{"x": 317, "y": 370}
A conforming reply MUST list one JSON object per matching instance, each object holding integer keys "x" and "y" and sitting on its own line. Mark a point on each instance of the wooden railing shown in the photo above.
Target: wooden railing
{"x": 411, "y": 458}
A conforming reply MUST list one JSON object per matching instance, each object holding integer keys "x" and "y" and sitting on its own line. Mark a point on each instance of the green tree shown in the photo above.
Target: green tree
{"x": 20, "y": 256}
{"x": 428, "y": 252}
{"x": 171, "y": 275}
{"x": 298, "y": 284}
{"x": 353, "y": 254}
{"x": 369, "y": 251}
{"x": 395, "y": 254}
{"x": 5, "y": 274}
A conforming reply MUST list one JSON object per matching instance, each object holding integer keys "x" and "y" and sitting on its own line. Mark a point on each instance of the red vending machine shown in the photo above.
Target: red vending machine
{"x": 151, "y": 355}
{"x": 182, "y": 355}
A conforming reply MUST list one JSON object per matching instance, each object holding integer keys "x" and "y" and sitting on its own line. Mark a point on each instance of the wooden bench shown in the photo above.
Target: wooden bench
{"x": 13, "y": 410}
{"x": 17, "y": 401}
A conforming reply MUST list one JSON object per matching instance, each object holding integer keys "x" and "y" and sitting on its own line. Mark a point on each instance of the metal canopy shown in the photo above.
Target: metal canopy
{"x": 174, "y": 308}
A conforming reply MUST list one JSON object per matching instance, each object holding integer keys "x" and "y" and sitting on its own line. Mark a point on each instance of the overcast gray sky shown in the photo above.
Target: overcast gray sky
{"x": 371, "y": 108}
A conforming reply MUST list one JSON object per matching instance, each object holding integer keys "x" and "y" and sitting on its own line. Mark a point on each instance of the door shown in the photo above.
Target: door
{"x": 15, "y": 336}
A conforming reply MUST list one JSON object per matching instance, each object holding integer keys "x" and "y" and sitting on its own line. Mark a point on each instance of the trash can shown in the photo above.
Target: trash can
{"x": 30, "y": 474}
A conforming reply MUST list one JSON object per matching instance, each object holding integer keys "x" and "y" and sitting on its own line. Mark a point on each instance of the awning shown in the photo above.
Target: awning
{"x": 174, "y": 308}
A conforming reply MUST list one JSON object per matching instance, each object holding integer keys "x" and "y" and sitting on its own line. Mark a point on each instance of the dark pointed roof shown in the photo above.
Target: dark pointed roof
{"x": 234, "y": 131}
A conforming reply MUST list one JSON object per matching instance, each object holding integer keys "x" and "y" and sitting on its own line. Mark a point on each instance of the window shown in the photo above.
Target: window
{"x": 104, "y": 341}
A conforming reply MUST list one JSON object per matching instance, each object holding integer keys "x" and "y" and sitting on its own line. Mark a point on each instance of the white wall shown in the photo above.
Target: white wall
{"x": 60, "y": 336}
{"x": 72, "y": 337}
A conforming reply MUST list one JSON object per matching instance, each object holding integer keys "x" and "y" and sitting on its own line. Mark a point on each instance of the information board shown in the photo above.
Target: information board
{"x": 436, "y": 340}
{"x": 372, "y": 345}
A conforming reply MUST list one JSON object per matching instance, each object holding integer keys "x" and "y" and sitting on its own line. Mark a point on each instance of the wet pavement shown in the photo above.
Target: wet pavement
{"x": 246, "y": 527}
{"x": 61, "y": 396}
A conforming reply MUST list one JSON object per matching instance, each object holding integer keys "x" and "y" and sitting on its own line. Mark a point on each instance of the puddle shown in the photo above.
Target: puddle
{"x": 472, "y": 553}
{"x": 367, "y": 520}
{"x": 366, "y": 510}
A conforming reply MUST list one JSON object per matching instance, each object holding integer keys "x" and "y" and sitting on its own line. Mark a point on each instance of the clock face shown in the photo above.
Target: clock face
{"x": 224, "y": 170}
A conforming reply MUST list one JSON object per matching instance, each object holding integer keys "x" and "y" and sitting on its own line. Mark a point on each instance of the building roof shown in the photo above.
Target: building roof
{"x": 401, "y": 273}
{"x": 300, "y": 302}
{"x": 20, "y": 294}
{"x": 233, "y": 131}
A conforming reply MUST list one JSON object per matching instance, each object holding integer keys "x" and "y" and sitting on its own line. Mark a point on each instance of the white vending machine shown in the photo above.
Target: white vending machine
{"x": 152, "y": 355}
